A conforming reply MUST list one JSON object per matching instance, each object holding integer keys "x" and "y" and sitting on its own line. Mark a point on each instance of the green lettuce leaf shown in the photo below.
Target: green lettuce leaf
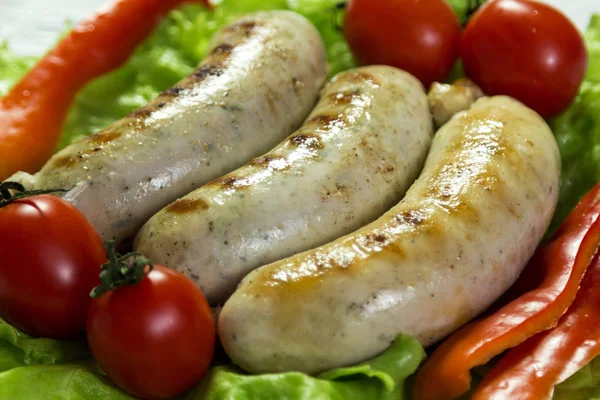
{"x": 65, "y": 371}
{"x": 577, "y": 132}
{"x": 40, "y": 368}
{"x": 57, "y": 382}
{"x": 16, "y": 345}
{"x": 12, "y": 67}
{"x": 584, "y": 385}
{"x": 381, "y": 378}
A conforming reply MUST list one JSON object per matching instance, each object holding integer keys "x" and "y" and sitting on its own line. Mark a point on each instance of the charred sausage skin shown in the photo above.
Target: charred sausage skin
{"x": 354, "y": 158}
{"x": 458, "y": 240}
{"x": 257, "y": 85}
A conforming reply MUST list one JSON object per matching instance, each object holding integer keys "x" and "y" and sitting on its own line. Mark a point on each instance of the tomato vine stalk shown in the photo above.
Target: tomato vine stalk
{"x": 121, "y": 270}
{"x": 7, "y": 196}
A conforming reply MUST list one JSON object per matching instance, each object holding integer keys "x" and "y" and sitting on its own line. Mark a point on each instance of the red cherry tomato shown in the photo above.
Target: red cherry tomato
{"x": 154, "y": 339}
{"x": 50, "y": 260}
{"x": 527, "y": 50}
{"x": 419, "y": 36}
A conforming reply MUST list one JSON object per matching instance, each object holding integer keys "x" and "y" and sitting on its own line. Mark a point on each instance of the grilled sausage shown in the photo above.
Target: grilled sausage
{"x": 258, "y": 84}
{"x": 459, "y": 239}
{"x": 354, "y": 158}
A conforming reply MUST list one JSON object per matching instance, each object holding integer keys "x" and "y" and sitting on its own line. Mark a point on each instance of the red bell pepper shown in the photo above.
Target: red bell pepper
{"x": 33, "y": 112}
{"x": 558, "y": 267}
{"x": 531, "y": 370}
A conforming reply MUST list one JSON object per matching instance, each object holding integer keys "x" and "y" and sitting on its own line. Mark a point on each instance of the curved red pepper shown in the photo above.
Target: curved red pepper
{"x": 33, "y": 112}
{"x": 531, "y": 370}
{"x": 559, "y": 267}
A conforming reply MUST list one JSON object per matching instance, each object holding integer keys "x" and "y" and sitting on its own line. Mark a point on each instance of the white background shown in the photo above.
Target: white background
{"x": 32, "y": 26}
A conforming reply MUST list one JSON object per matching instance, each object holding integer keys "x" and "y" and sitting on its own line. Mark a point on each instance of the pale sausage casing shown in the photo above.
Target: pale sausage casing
{"x": 459, "y": 239}
{"x": 258, "y": 84}
{"x": 359, "y": 151}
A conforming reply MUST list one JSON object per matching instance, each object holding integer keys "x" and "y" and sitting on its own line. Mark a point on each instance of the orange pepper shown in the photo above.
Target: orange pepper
{"x": 531, "y": 370}
{"x": 33, "y": 112}
{"x": 558, "y": 266}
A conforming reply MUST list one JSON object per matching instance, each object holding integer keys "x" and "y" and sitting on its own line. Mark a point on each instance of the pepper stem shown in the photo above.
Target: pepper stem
{"x": 7, "y": 196}
{"x": 121, "y": 270}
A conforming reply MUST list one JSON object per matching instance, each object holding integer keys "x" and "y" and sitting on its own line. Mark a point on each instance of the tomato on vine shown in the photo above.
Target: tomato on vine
{"x": 527, "y": 50}
{"x": 51, "y": 256}
{"x": 420, "y": 37}
{"x": 150, "y": 328}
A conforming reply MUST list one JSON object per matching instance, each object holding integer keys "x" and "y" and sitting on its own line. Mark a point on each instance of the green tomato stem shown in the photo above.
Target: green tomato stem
{"x": 121, "y": 270}
{"x": 7, "y": 196}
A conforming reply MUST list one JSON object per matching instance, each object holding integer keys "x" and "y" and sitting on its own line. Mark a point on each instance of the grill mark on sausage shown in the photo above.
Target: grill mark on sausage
{"x": 360, "y": 77}
{"x": 223, "y": 48}
{"x": 411, "y": 217}
{"x": 306, "y": 140}
{"x": 245, "y": 27}
{"x": 143, "y": 112}
{"x": 70, "y": 160}
{"x": 186, "y": 206}
{"x": 323, "y": 119}
{"x": 105, "y": 136}
{"x": 215, "y": 64}
{"x": 228, "y": 182}
{"x": 264, "y": 160}
{"x": 382, "y": 241}
{"x": 326, "y": 121}
{"x": 342, "y": 98}
{"x": 208, "y": 70}
{"x": 270, "y": 160}
{"x": 213, "y": 67}
{"x": 175, "y": 91}
{"x": 378, "y": 239}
